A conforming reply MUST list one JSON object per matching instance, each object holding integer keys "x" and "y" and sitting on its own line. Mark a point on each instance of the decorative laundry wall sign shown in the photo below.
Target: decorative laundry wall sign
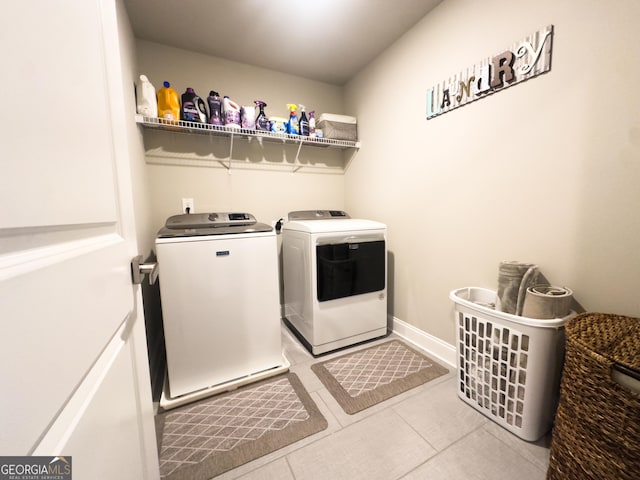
{"x": 523, "y": 60}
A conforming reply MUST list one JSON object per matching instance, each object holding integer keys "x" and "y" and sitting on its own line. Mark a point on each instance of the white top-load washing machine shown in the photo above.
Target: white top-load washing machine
{"x": 334, "y": 278}
{"x": 220, "y": 303}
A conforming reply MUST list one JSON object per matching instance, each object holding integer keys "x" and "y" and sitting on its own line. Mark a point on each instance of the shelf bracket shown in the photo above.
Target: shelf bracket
{"x": 296, "y": 163}
{"x": 347, "y": 162}
{"x": 228, "y": 166}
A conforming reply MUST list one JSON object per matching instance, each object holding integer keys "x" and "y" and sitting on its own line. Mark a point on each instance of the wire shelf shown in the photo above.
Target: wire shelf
{"x": 196, "y": 128}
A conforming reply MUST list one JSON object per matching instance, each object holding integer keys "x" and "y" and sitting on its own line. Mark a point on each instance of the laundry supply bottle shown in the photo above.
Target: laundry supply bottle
{"x": 293, "y": 127}
{"x": 312, "y": 123}
{"x": 248, "y": 117}
{"x": 262, "y": 122}
{"x": 146, "y": 101}
{"x": 193, "y": 107}
{"x": 303, "y": 123}
{"x": 168, "y": 103}
{"x": 231, "y": 112}
{"x": 215, "y": 108}
{"x": 279, "y": 124}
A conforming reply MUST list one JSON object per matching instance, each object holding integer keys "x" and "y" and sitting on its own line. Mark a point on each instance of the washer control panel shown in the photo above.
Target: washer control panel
{"x": 209, "y": 220}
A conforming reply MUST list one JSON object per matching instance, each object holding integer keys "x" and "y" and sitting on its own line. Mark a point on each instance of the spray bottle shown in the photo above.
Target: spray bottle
{"x": 303, "y": 123}
{"x": 168, "y": 103}
{"x": 262, "y": 122}
{"x": 215, "y": 108}
{"x": 293, "y": 128}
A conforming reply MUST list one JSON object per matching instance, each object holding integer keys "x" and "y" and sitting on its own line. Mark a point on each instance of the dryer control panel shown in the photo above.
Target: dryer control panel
{"x": 317, "y": 214}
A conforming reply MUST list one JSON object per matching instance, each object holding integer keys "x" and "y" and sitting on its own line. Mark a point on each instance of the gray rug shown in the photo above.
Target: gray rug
{"x": 209, "y": 437}
{"x": 364, "y": 378}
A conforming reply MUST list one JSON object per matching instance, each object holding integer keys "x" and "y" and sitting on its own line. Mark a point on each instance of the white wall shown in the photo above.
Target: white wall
{"x": 546, "y": 171}
{"x": 265, "y": 188}
{"x": 142, "y": 205}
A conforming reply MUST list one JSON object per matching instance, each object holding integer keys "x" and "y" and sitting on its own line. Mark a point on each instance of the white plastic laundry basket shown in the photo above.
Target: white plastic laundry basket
{"x": 508, "y": 366}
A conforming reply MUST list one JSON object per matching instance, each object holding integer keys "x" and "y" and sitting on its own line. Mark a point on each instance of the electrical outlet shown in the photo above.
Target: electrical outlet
{"x": 187, "y": 205}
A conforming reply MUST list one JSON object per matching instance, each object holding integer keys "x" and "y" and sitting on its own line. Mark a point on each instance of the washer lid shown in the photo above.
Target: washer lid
{"x": 215, "y": 223}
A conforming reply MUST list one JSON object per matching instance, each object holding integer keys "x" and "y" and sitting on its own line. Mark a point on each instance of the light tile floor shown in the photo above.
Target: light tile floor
{"x": 425, "y": 433}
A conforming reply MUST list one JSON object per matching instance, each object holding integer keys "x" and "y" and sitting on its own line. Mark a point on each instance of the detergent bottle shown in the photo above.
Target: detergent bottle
{"x": 262, "y": 122}
{"x": 312, "y": 123}
{"x": 215, "y": 108}
{"x": 303, "y": 123}
{"x": 248, "y": 117}
{"x": 193, "y": 108}
{"x": 147, "y": 103}
{"x": 231, "y": 113}
{"x": 293, "y": 127}
{"x": 168, "y": 103}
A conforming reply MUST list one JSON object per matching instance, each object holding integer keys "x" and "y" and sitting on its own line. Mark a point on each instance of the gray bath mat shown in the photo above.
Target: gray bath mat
{"x": 209, "y": 437}
{"x": 364, "y": 378}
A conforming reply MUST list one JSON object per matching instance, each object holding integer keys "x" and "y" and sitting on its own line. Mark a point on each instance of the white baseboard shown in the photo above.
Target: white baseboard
{"x": 439, "y": 349}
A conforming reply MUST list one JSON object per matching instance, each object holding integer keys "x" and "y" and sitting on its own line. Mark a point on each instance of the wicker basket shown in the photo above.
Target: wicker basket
{"x": 597, "y": 428}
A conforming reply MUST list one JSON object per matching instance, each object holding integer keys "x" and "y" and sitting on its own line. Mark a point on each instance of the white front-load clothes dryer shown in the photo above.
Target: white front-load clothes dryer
{"x": 334, "y": 279}
{"x": 220, "y": 303}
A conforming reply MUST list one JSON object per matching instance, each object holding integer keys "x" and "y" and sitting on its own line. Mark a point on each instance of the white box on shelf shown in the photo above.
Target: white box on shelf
{"x": 338, "y": 127}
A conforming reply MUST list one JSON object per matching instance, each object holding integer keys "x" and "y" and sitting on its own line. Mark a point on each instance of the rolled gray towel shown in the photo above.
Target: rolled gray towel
{"x": 513, "y": 280}
{"x": 547, "y": 302}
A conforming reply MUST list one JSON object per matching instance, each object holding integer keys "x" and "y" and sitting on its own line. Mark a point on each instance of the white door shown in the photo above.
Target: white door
{"x": 73, "y": 365}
